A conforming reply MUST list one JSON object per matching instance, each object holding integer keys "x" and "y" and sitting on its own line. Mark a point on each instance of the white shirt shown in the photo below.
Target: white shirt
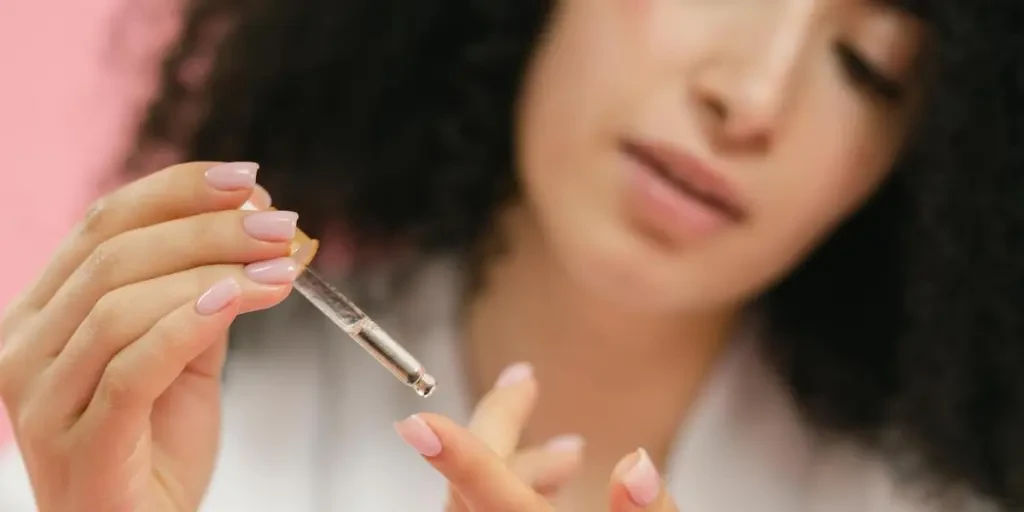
{"x": 308, "y": 425}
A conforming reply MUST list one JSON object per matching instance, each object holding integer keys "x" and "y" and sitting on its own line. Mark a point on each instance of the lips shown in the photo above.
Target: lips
{"x": 689, "y": 176}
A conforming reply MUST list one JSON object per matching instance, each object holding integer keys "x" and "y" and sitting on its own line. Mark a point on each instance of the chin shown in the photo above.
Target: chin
{"x": 627, "y": 269}
{"x": 625, "y": 274}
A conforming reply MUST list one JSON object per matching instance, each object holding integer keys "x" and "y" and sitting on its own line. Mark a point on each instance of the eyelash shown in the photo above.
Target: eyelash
{"x": 867, "y": 76}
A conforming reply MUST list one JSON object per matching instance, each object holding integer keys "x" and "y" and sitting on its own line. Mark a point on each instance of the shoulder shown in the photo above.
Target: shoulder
{"x": 854, "y": 474}
{"x": 748, "y": 445}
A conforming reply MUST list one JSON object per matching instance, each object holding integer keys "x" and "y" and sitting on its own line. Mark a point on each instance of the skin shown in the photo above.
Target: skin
{"x": 593, "y": 292}
{"x": 754, "y": 89}
{"x": 112, "y": 370}
{"x": 475, "y": 460}
{"x": 108, "y": 368}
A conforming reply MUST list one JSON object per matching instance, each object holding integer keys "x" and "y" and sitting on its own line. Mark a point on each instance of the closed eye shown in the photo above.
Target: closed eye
{"x": 868, "y": 76}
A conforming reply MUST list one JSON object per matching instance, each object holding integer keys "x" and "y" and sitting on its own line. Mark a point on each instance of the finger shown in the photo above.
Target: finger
{"x": 548, "y": 468}
{"x": 152, "y": 251}
{"x": 303, "y": 248}
{"x": 126, "y": 314}
{"x": 118, "y": 413}
{"x": 482, "y": 479}
{"x": 545, "y": 469}
{"x": 636, "y": 486}
{"x": 502, "y": 413}
{"x": 178, "y": 191}
{"x": 260, "y": 198}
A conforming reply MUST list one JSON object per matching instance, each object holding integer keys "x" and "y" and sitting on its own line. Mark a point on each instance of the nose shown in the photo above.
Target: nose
{"x": 747, "y": 78}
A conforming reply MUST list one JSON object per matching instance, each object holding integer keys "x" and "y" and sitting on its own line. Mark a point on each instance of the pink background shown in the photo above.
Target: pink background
{"x": 69, "y": 96}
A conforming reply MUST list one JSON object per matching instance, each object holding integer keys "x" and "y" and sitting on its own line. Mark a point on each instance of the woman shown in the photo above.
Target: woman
{"x": 777, "y": 245}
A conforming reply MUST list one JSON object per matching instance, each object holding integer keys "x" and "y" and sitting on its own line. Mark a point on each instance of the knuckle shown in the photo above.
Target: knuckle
{"x": 204, "y": 230}
{"x": 11, "y": 318}
{"x": 25, "y": 422}
{"x": 30, "y": 426}
{"x": 166, "y": 336}
{"x": 98, "y": 217}
{"x": 117, "y": 388}
{"x": 101, "y": 319}
{"x": 102, "y": 262}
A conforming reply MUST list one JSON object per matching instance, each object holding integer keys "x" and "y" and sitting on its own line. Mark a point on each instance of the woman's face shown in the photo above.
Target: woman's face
{"x": 686, "y": 153}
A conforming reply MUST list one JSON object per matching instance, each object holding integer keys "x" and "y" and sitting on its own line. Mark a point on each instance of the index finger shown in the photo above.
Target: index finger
{"x": 482, "y": 479}
{"x": 637, "y": 487}
{"x": 500, "y": 416}
{"x": 178, "y": 191}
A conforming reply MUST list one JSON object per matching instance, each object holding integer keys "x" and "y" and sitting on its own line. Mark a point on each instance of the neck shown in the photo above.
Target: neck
{"x": 597, "y": 361}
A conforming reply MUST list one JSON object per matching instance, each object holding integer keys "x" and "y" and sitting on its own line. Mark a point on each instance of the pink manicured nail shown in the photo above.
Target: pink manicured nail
{"x": 274, "y": 272}
{"x": 271, "y": 226}
{"x": 218, "y": 297}
{"x": 642, "y": 480}
{"x": 416, "y": 433}
{"x": 233, "y": 176}
{"x": 514, "y": 374}
{"x": 565, "y": 443}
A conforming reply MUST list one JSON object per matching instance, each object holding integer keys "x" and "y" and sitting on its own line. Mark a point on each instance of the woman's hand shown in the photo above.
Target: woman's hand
{"x": 486, "y": 477}
{"x": 111, "y": 360}
{"x": 494, "y": 432}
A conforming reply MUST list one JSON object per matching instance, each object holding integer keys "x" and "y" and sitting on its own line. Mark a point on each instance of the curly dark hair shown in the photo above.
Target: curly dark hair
{"x": 904, "y": 330}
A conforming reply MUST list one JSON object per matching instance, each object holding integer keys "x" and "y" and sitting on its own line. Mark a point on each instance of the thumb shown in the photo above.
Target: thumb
{"x": 636, "y": 486}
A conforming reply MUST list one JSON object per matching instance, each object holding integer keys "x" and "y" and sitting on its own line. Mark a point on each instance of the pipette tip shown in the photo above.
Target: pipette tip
{"x": 424, "y": 386}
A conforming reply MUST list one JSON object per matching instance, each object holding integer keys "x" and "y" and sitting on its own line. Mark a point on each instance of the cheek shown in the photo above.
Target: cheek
{"x": 637, "y": 11}
{"x": 825, "y": 175}
{"x": 806, "y": 190}
{"x": 571, "y": 106}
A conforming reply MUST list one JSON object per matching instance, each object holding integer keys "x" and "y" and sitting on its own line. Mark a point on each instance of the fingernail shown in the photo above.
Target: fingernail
{"x": 218, "y": 297}
{"x": 565, "y": 443}
{"x": 274, "y": 272}
{"x": 271, "y": 226}
{"x": 416, "y": 433}
{"x": 232, "y": 176}
{"x": 642, "y": 480}
{"x": 514, "y": 374}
